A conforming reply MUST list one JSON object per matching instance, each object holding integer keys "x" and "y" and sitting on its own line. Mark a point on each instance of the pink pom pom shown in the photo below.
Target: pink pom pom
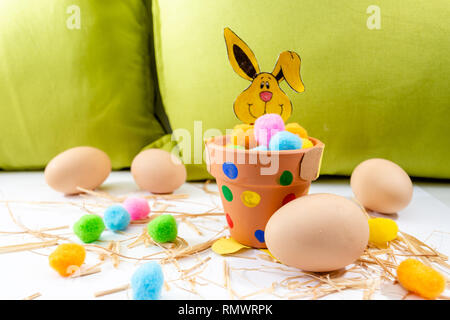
{"x": 267, "y": 126}
{"x": 137, "y": 208}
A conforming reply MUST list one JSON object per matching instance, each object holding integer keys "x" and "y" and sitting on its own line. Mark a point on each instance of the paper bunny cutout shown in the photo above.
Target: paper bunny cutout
{"x": 264, "y": 94}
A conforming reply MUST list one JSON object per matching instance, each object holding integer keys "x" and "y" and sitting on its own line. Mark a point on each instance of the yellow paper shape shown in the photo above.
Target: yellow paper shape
{"x": 288, "y": 68}
{"x": 264, "y": 94}
{"x": 227, "y": 246}
{"x": 270, "y": 254}
{"x": 241, "y": 57}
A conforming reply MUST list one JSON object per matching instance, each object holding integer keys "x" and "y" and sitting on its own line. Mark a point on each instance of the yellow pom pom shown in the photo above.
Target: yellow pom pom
{"x": 243, "y": 135}
{"x": 67, "y": 258}
{"x": 382, "y": 230}
{"x": 421, "y": 279}
{"x": 307, "y": 143}
{"x": 243, "y": 126}
{"x": 297, "y": 129}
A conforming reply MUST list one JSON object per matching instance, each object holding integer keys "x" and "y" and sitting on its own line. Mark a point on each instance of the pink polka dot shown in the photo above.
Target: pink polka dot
{"x": 230, "y": 222}
{"x": 288, "y": 198}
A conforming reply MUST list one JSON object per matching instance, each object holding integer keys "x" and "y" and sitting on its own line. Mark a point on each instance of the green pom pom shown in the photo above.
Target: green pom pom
{"x": 89, "y": 228}
{"x": 163, "y": 228}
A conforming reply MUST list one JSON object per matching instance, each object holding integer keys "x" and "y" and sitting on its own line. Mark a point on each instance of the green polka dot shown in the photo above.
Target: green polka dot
{"x": 227, "y": 194}
{"x": 286, "y": 178}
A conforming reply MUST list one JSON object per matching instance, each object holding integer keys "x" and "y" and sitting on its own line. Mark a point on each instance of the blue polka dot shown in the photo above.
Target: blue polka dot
{"x": 259, "y": 234}
{"x": 230, "y": 170}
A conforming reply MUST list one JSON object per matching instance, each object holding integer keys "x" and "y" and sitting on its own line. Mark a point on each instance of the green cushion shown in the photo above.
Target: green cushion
{"x": 74, "y": 72}
{"x": 368, "y": 93}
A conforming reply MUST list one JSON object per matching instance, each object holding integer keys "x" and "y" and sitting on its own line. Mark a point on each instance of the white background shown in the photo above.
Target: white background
{"x": 25, "y": 273}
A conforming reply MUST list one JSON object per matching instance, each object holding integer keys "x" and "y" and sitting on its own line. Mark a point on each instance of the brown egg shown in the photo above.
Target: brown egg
{"x": 158, "y": 171}
{"x": 381, "y": 185}
{"x": 319, "y": 232}
{"x": 85, "y": 167}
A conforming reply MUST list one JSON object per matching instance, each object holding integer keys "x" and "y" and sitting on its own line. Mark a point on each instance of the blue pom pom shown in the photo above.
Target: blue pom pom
{"x": 147, "y": 281}
{"x": 116, "y": 218}
{"x": 285, "y": 140}
{"x": 260, "y": 148}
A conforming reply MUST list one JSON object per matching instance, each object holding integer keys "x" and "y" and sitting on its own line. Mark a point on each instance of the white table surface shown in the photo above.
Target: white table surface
{"x": 25, "y": 273}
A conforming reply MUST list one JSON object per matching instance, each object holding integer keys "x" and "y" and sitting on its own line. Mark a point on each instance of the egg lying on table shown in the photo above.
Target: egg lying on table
{"x": 381, "y": 185}
{"x": 158, "y": 171}
{"x": 318, "y": 232}
{"x": 84, "y": 167}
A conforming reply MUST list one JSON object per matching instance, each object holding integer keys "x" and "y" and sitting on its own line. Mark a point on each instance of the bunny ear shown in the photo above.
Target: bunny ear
{"x": 241, "y": 56}
{"x": 288, "y": 68}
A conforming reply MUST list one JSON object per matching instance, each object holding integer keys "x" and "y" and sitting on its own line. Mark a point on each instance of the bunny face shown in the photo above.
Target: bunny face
{"x": 264, "y": 94}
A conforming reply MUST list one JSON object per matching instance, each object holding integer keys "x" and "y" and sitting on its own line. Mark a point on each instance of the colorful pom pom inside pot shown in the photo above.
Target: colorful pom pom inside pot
{"x": 253, "y": 185}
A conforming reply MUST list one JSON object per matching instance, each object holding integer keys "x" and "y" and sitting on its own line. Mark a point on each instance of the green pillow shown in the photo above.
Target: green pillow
{"x": 74, "y": 72}
{"x": 373, "y": 87}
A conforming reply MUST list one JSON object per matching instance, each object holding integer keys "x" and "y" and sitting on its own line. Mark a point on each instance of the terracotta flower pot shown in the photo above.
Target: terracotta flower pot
{"x": 255, "y": 184}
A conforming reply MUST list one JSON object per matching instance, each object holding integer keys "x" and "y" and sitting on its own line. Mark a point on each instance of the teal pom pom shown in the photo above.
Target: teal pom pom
{"x": 116, "y": 218}
{"x": 147, "y": 282}
{"x": 163, "y": 228}
{"x": 285, "y": 140}
{"x": 89, "y": 228}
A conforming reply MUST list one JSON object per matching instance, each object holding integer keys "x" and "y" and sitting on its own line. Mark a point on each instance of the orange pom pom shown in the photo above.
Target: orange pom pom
{"x": 244, "y": 135}
{"x": 297, "y": 129}
{"x": 421, "y": 279}
{"x": 67, "y": 258}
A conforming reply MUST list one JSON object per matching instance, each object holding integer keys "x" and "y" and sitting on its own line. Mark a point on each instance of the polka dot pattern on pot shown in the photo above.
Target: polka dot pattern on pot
{"x": 259, "y": 235}
{"x": 227, "y": 194}
{"x": 250, "y": 198}
{"x": 288, "y": 198}
{"x": 229, "y": 221}
{"x": 230, "y": 170}
{"x": 286, "y": 178}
